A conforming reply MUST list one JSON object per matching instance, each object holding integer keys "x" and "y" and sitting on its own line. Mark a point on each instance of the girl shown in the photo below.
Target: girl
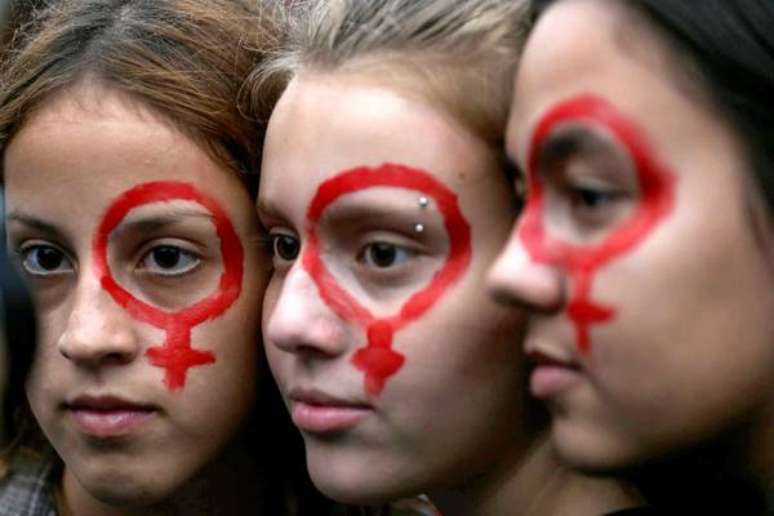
{"x": 124, "y": 160}
{"x": 385, "y": 196}
{"x": 644, "y": 254}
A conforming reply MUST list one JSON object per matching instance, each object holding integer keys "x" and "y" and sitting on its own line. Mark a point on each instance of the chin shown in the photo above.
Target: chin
{"x": 355, "y": 479}
{"x": 124, "y": 489}
{"x": 126, "y": 496}
{"x": 594, "y": 452}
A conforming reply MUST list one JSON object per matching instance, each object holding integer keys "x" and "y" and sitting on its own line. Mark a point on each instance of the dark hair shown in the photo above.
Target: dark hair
{"x": 731, "y": 44}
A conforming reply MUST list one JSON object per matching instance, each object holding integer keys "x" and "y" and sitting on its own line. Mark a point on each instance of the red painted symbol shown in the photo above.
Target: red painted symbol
{"x": 377, "y": 359}
{"x": 175, "y": 355}
{"x": 582, "y": 262}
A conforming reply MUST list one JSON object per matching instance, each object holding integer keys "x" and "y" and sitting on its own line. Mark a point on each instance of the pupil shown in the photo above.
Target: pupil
{"x": 49, "y": 258}
{"x": 166, "y": 257}
{"x": 287, "y": 247}
{"x": 383, "y": 255}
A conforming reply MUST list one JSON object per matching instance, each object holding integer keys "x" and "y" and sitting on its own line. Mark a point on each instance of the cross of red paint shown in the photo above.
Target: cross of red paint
{"x": 377, "y": 359}
{"x": 175, "y": 355}
{"x": 656, "y": 184}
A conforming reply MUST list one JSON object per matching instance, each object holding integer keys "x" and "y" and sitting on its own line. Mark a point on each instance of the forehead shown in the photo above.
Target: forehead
{"x": 325, "y": 124}
{"x": 102, "y": 139}
{"x": 600, "y": 47}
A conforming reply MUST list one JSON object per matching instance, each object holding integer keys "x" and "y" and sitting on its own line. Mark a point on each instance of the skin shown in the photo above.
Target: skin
{"x": 459, "y": 386}
{"x": 452, "y": 421}
{"x": 94, "y": 140}
{"x": 688, "y": 355}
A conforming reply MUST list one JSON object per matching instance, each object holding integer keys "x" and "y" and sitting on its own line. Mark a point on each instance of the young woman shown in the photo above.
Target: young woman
{"x": 129, "y": 207}
{"x": 386, "y": 199}
{"x": 645, "y": 250}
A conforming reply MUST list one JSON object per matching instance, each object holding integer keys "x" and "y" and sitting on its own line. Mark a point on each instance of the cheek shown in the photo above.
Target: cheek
{"x": 270, "y": 298}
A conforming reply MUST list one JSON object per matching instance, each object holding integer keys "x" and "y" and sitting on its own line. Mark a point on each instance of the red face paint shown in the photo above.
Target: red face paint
{"x": 175, "y": 355}
{"x": 377, "y": 359}
{"x": 582, "y": 262}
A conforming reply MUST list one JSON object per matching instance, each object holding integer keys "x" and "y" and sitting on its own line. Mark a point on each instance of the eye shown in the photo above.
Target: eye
{"x": 284, "y": 247}
{"x": 44, "y": 260}
{"x": 169, "y": 260}
{"x": 592, "y": 198}
{"x": 382, "y": 255}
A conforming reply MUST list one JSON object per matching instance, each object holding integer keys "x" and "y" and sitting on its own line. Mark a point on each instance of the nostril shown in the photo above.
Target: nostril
{"x": 504, "y": 297}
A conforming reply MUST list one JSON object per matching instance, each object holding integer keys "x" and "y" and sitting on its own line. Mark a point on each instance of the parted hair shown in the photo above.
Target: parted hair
{"x": 184, "y": 59}
{"x": 459, "y": 55}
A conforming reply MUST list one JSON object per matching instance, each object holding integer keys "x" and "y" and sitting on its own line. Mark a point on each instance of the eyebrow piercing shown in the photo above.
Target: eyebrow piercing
{"x": 419, "y": 228}
{"x": 423, "y": 202}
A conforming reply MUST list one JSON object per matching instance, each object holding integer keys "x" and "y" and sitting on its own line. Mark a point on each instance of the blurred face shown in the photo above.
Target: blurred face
{"x": 139, "y": 249}
{"x": 650, "y": 291}
{"x": 384, "y": 214}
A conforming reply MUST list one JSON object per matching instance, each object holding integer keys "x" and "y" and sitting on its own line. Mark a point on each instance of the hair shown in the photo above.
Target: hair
{"x": 184, "y": 59}
{"x": 731, "y": 47}
{"x": 460, "y": 55}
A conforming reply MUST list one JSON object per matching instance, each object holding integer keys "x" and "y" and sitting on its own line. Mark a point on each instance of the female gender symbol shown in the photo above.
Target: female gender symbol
{"x": 582, "y": 262}
{"x": 377, "y": 360}
{"x": 175, "y": 355}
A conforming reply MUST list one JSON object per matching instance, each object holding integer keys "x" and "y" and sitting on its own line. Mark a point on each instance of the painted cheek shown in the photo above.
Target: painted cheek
{"x": 581, "y": 263}
{"x": 175, "y": 355}
{"x": 377, "y": 360}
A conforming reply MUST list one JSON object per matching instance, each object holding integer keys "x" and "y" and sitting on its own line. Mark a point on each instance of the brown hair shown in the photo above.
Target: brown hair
{"x": 459, "y": 55}
{"x": 185, "y": 59}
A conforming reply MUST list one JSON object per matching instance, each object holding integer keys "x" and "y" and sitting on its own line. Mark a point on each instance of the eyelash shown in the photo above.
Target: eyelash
{"x": 276, "y": 252}
{"x": 179, "y": 253}
{"x": 398, "y": 252}
{"x": 26, "y": 253}
{"x": 364, "y": 256}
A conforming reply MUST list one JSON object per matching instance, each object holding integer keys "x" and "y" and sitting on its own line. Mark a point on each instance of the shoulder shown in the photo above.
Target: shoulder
{"x": 28, "y": 487}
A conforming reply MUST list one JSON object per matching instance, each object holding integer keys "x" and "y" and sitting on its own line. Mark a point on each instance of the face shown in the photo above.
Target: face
{"x": 384, "y": 214}
{"x": 649, "y": 304}
{"x": 141, "y": 253}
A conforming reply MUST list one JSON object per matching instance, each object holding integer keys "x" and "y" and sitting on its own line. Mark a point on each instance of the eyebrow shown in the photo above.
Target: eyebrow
{"x": 155, "y": 222}
{"x": 576, "y": 139}
{"x": 37, "y": 224}
{"x": 367, "y": 213}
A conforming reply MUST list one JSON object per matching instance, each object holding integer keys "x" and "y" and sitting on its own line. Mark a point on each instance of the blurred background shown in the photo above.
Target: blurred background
{"x": 17, "y": 322}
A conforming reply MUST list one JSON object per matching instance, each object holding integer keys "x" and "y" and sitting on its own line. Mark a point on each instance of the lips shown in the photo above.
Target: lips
{"x": 552, "y": 374}
{"x": 317, "y": 412}
{"x": 109, "y": 416}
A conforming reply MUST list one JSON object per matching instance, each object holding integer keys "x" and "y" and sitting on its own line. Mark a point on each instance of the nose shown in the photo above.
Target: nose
{"x": 298, "y": 320}
{"x": 515, "y": 278}
{"x": 98, "y": 330}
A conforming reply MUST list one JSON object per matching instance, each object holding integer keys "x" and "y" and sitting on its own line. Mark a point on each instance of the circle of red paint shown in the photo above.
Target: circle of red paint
{"x": 377, "y": 360}
{"x": 656, "y": 183}
{"x": 176, "y": 355}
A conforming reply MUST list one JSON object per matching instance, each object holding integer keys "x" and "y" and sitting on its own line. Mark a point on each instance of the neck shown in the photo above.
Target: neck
{"x": 732, "y": 473}
{"x": 533, "y": 483}
{"x": 230, "y": 485}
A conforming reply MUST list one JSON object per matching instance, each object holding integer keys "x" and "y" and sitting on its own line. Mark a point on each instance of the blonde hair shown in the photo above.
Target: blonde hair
{"x": 461, "y": 54}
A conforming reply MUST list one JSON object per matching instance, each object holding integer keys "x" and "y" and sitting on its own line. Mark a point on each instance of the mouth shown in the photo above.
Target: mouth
{"x": 317, "y": 412}
{"x": 551, "y": 374}
{"x": 108, "y": 416}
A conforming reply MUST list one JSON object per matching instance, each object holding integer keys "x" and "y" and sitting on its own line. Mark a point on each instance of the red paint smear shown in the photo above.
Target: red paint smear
{"x": 656, "y": 184}
{"x": 175, "y": 355}
{"x": 378, "y": 360}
